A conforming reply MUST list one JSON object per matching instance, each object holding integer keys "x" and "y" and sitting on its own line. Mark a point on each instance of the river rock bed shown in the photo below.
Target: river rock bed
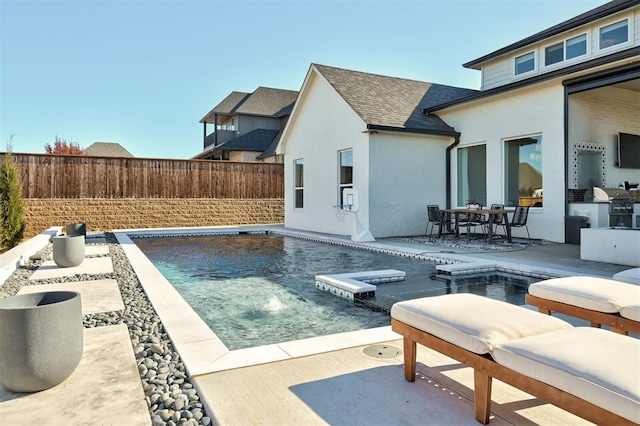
{"x": 170, "y": 396}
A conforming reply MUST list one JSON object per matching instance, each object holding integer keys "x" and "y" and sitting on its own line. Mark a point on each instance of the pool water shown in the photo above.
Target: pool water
{"x": 255, "y": 290}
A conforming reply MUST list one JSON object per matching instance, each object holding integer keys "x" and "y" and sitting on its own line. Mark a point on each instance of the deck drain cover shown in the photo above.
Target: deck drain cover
{"x": 382, "y": 351}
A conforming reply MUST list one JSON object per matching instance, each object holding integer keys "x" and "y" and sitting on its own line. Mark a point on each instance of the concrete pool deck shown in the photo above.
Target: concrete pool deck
{"x": 330, "y": 380}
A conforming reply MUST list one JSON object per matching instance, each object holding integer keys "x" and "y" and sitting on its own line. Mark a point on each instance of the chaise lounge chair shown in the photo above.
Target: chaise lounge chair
{"x": 589, "y": 372}
{"x": 598, "y": 300}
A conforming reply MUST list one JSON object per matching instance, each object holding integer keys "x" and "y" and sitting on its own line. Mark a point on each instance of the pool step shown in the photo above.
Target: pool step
{"x": 476, "y": 267}
{"x": 357, "y": 285}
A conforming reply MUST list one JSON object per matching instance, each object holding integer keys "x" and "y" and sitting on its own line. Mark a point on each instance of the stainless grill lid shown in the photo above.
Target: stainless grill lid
{"x": 610, "y": 194}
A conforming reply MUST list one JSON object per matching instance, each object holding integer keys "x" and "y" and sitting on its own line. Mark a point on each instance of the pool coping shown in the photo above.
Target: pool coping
{"x": 201, "y": 349}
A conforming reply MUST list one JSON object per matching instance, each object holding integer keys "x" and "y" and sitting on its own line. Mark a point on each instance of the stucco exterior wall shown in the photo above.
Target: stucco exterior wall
{"x": 323, "y": 125}
{"x": 596, "y": 117}
{"x": 530, "y": 111}
{"x": 407, "y": 172}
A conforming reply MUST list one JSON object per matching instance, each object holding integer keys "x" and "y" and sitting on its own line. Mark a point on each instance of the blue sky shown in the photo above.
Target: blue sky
{"x": 143, "y": 73}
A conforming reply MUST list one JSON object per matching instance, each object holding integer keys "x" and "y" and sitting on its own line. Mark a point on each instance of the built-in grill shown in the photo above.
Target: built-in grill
{"x": 620, "y": 205}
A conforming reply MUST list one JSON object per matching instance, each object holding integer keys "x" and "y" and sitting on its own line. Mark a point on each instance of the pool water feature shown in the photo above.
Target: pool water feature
{"x": 254, "y": 290}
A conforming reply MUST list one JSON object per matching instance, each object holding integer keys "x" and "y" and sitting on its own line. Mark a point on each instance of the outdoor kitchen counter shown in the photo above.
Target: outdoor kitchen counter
{"x": 598, "y": 212}
{"x": 620, "y": 246}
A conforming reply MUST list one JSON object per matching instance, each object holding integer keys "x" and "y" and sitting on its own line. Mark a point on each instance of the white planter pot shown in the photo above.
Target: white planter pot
{"x": 41, "y": 339}
{"x": 68, "y": 250}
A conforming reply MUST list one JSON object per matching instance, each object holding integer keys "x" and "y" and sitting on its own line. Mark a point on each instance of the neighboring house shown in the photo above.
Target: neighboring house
{"x": 247, "y": 126}
{"x": 106, "y": 149}
{"x": 547, "y": 116}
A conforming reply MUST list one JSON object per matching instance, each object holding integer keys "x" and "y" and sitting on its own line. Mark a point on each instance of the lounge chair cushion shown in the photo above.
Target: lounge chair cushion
{"x": 631, "y": 312}
{"x": 596, "y": 294}
{"x": 593, "y": 364}
{"x": 473, "y": 322}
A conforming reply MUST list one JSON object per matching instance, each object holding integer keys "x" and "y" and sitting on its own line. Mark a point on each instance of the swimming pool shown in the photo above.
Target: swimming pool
{"x": 254, "y": 290}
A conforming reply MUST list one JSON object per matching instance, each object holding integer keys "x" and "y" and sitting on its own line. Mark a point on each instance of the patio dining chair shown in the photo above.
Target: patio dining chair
{"x": 436, "y": 218}
{"x": 472, "y": 220}
{"x": 497, "y": 219}
{"x": 519, "y": 219}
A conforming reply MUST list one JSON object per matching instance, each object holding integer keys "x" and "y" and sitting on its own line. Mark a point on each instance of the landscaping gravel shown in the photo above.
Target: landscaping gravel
{"x": 170, "y": 396}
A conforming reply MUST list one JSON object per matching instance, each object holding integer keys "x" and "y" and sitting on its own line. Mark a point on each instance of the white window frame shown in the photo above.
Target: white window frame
{"x": 527, "y": 73}
{"x": 460, "y": 200}
{"x": 565, "y": 60}
{"x": 297, "y": 188}
{"x": 615, "y": 47}
{"x": 544, "y": 54}
{"x": 505, "y": 175}
{"x": 341, "y": 185}
{"x": 587, "y": 47}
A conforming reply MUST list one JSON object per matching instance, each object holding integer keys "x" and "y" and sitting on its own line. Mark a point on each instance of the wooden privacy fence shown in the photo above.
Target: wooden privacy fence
{"x": 71, "y": 176}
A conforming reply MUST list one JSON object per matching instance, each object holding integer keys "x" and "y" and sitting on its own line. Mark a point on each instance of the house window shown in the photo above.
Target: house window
{"x": 346, "y": 173}
{"x": 554, "y": 54}
{"x": 565, "y": 50}
{"x": 472, "y": 175}
{"x": 523, "y": 172}
{"x": 576, "y": 46}
{"x": 614, "y": 34}
{"x": 298, "y": 171}
{"x": 525, "y": 63}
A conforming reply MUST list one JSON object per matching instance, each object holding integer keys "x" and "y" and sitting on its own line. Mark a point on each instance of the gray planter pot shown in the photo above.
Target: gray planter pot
{"x": 41, "y": 339}
{"x": 68, "y": 250}
{"x": 77, "y": 229}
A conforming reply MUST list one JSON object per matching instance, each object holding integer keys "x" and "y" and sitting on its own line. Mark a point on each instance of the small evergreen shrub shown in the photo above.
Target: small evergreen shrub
{"x": 11, "y": 205}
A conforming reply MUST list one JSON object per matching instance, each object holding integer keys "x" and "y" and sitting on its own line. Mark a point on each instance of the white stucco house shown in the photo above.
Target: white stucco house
{"x": 356, "y": 130}
{"x": 541, "y": 131}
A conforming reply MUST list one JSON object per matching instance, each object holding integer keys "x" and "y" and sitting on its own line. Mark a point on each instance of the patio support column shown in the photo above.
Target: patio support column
{"x": 204, "y": 135}
{"x": 215, "y": 129}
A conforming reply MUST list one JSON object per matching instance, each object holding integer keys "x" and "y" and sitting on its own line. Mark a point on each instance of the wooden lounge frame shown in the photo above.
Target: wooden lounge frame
{"x": 485, "y": 369}
{"x": 617, "y": 322}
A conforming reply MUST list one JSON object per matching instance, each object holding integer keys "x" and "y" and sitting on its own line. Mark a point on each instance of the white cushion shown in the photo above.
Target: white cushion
{"x": 593, "y": 364}
{"x": 631, "y": 312}
{"x": 473, "y": 322}
{"x": 596, "y": 294}
{"x": 631, "y": 276}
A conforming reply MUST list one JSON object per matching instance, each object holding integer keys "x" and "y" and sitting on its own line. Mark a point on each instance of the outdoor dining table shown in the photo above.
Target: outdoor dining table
{"x": 492, "y": 213}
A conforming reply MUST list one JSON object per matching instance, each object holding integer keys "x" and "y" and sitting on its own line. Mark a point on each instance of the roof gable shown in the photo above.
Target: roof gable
{"x": 269, "y": 102}
{"x": 391, "y": 102}
{"x": 228, "y": 106}
{"x": 264, "y": 101}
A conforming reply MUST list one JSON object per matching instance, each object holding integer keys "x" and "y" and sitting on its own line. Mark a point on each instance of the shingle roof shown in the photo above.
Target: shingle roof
{"x": 269, "y": 102}
{"x": 256, "y": 140}
{"x": 271, "y": 149}
{"x": 106, "y": 149}
{"x": 576, "y": 21}
{"x": 264, "y": 101}
{"x": 391, "y": 102}
{"x": 227, "y": 106}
